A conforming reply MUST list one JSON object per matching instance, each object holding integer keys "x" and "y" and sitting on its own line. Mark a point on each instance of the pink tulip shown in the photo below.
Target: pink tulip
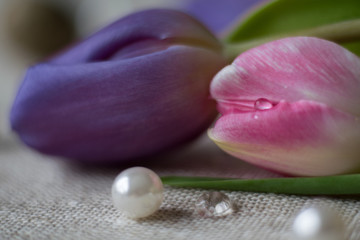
{"x": 291, "y": 106}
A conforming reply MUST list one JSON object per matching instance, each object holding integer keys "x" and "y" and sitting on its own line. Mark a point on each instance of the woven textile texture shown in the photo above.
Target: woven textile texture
{"x": 47, "y": 198}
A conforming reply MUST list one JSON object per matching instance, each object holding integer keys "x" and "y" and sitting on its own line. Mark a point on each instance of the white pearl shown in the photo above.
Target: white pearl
{"x": 318, "y": 223}
{"x": 137, "y": 192}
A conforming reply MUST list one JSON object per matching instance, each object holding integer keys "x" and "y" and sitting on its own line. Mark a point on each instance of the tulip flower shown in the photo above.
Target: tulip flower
{"x": 291, "y": 106}
{"x": 220, "y": 15}
{"x": 135, "y": 88}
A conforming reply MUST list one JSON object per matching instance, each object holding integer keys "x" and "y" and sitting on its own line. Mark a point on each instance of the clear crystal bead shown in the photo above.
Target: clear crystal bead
{"x": 214, "y": 204}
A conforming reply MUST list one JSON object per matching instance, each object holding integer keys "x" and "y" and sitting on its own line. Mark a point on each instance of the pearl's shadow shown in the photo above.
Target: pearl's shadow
{"x": 168, "y": 215}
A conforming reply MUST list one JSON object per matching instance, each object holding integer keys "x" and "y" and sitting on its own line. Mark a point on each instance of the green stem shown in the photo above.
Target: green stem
{"x": 329, "y": 185}
{"x": 342, "y": 32}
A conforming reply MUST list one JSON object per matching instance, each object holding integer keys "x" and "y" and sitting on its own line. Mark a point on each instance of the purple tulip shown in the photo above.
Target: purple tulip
{"x": 133, "y": 89}
{"x": 220, "y": 15}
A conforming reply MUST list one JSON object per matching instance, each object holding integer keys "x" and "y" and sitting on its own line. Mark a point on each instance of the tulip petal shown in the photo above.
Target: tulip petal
{"x": 168, "y": 26}
{"x": 291, "y": 69}
{"x": 81, "y": 115}
{"x": 136, "y": 88}
{"x": 301, "y": 138}
{"x": 220, "y": 15}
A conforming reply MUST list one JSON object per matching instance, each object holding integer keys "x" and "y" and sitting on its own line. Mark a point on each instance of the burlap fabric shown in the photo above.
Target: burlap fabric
{"x": 47, "y": 198}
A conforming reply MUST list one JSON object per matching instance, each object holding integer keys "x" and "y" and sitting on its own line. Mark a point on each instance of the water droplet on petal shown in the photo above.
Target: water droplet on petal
{"x": 214, "y": 204}
{"x": 263, "y": 104}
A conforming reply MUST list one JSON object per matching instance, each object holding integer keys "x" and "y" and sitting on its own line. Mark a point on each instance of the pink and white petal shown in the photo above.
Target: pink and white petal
{"x": 292, "y": 69}
{"x": 302, "y": 138}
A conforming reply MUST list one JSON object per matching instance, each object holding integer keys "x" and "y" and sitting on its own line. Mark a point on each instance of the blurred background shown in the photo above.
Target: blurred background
{"x": 31, "y": 30}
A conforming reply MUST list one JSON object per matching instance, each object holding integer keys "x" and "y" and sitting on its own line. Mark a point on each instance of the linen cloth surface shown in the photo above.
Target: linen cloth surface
{"x": 43, "y": 197}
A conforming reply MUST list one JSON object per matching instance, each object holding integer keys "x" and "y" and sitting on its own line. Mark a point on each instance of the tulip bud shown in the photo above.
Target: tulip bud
{"x": 135, "y": 88}
{"x": 291, "y": 106}
{"x": 219, "y": 16}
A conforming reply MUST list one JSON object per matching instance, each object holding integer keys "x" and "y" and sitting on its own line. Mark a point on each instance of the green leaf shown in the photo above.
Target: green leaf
{"x": 282, "y": 18}
{"x": 329, "y": 185}
{"x": 353, "y": 47}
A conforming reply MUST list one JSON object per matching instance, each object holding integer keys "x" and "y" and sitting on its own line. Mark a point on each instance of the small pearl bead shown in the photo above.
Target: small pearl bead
{"x": 137, "y": 192}
{"x": 318, "y": 223}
